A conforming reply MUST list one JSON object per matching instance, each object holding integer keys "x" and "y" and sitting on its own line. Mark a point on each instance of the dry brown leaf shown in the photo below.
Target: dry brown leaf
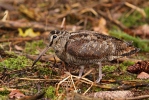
{"x": 5, "y": 16}
{"x": 143, "y": 75}
{"x": 141, "y": 11}
{"x": 31, "y": 13}
{"x": 142, "y": 30}
{"x": 101, "y": 27}
{"x": 16, "y": 94}
{"x": 18, "y": 48}
{"x": 89, "y": 10}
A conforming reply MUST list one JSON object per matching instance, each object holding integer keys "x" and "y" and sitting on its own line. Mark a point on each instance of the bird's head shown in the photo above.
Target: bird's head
{"x": 55, "y": 35}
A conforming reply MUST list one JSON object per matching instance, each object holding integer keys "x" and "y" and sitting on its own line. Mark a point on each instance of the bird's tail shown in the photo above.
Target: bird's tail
{"x": 132, "y": 50}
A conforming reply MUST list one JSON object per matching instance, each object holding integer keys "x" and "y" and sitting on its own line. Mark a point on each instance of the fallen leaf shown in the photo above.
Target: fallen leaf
{"x": 101, "y": 26}
{"x": 28, "y": 32}
{"x": 142, "y": 31}
{"x": 18, "y": 48}
{"x": 5, "y": 15}
{"x": 143, "y": 75}
{"x": 30, "y": 13}
{"x": 16, "y": 94}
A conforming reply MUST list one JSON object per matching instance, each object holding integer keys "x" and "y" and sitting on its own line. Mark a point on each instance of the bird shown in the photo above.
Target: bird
{"x": 82, "y": 48}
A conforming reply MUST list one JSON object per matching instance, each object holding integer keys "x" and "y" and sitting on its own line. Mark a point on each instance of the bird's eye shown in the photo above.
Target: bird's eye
{"x": 54, "y": 36}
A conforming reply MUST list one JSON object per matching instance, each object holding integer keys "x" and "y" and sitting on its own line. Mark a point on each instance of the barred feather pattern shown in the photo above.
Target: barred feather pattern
{"x": 88, "y": 47}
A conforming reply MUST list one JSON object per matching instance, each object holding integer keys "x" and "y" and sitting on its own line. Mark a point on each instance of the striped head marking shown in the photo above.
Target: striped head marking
{"x": 55, "y": 35}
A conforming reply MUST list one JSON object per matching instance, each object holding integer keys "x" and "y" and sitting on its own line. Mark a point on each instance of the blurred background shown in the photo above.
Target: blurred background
{"x": 25, "y": 25}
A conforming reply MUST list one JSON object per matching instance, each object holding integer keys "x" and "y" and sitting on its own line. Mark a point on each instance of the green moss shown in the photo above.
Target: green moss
{"x": 45, "y": 71}
{"x": 112, "y": 72}
{"x": 96, "y": 89}
{"x": 4, "y": 97}
{"x": 134, "y": 19}
{"x": 15, "y": 63}
{"x": 125, "y": 64}
{"x": 126, "y": 77}
{"x": 107, "y": 69}
{"x": 32, "y": 47}
{"x": 50, "y": 92}
{"x": 147, "y": 11}
{"x": 5, "y": 92}
{"x": 128, "y": 63}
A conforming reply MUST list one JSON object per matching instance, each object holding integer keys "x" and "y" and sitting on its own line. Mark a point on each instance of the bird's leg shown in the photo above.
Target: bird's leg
{"x": 81, "y": 71}
{"x": 100, "y": 73}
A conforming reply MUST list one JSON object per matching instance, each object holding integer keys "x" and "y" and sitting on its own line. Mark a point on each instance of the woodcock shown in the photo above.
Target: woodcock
{"x": 87, "y": 47}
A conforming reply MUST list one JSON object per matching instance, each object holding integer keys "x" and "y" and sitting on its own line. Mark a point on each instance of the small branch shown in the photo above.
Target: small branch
{"x": 8, "y": 89}
{"x": 17, "y": 24}
{"x": 138, "y": 97}
{"x": 33, "y": 25}
{"x": 116, "y": 22}
{"x": 63, "y": 23}
{"x": 29, "y": 79}
{"x": 19, "y": 39}
{"x": 136, "y": 8}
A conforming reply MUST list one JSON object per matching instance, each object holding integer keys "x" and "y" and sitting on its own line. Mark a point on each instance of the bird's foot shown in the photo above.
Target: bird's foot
{"x": 81, "y": 71}
{"x": 98, "y": 80}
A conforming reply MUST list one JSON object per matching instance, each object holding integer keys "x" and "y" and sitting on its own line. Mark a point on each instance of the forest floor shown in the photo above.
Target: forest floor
{"x": 24, "y": 30}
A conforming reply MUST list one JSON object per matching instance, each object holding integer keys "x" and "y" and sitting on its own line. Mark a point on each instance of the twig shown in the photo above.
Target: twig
{"x": 5, "y": 16}
{"x": 73, "y": 83}
{"x": 17, "y": 24}
{"x": 126, "y": 86}
{"x": 82, "y": 79}
{"x": 63, "y": 23}
{"x": 33, "y": 97}
{"x": 88, "y": 89}
{"x": 8, "y": 89}
{"x": 136, "y": 8}
{"x": 29, "y": 79}
{"x": 61, "y": 83}
{"x": 116, "y": 22}
{"x": 138, "y": 97}
{"x": 88, "y": 72}
{"x": 19, "y": 39}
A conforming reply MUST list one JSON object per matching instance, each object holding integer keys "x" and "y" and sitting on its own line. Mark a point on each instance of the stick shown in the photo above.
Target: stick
{"x": 136, "y": 8}
{"x": 19, "y": 39}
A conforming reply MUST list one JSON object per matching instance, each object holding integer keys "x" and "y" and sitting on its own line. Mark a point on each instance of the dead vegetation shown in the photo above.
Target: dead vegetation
{"x": 24, "y": 28}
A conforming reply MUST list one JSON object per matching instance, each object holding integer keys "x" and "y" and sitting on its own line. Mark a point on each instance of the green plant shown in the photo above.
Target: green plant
{"x": 15, "y": 63}
{"x": 32, "y": 47}
{"x": 50, "y": 92}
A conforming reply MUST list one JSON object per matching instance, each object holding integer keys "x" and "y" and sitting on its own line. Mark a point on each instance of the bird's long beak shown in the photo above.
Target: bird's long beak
{"x": 46, "y": 49}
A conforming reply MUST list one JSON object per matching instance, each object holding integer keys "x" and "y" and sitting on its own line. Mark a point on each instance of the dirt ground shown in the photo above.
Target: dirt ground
{"x": 24, "y": 33}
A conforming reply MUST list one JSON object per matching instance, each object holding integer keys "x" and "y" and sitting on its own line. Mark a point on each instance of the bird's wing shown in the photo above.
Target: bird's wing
{"x": 90, "y": 49}
{"x": 92, "y": 45}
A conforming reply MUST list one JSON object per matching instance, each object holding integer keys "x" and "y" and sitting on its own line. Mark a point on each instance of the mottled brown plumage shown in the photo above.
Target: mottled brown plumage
{"x": 88, "y": 47}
